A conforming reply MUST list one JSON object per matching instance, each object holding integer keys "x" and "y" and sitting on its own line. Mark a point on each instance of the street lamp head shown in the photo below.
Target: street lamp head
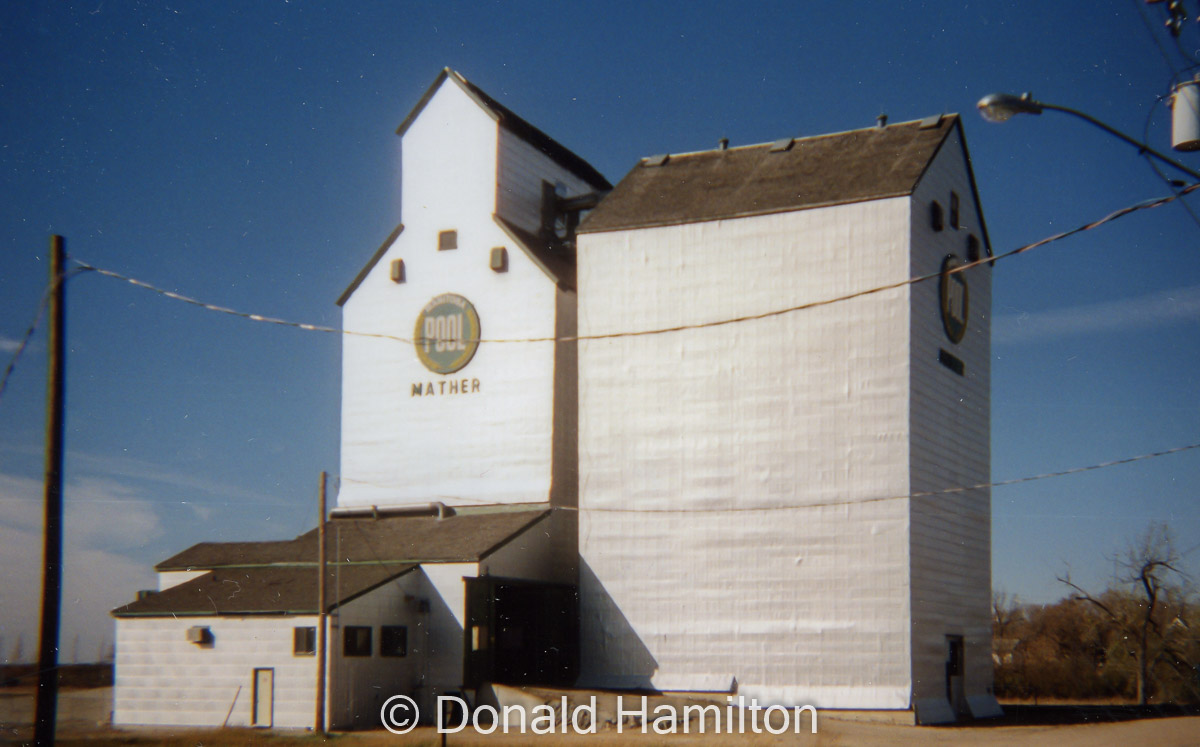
{"x": 998, "y": 107}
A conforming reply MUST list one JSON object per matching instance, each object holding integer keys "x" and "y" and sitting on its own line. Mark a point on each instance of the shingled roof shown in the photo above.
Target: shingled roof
{"x": 267, "y": 590}
{"x": 466, "y": 536}
{"x": 854, "y": 166}
{"x": 281, "y": 577}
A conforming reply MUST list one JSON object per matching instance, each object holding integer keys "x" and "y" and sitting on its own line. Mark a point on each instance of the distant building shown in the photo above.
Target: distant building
{"x": 747, "y": 506}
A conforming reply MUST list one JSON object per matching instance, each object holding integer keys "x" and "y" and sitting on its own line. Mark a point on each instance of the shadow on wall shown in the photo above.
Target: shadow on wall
{"x": 432, "y": 664}
{"x": 611, "y": 654}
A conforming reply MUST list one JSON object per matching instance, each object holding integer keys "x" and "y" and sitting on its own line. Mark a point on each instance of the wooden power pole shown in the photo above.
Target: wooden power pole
{"x": 321, "y": 605}
{"x": 46, "y": 698}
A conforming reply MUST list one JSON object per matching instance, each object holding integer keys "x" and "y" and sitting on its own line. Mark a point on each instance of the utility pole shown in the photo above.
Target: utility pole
{"x": 321, "y": 604}
{"x": 46, "y": 698}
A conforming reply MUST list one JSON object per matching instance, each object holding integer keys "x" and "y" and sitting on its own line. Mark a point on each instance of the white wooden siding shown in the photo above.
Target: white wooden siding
{"x": 167, "y": 579}
{"x": 951, "y": 446}
{"x": 805, "y": 412}
{"x": 163, "y": 679}
{"x": 492, "y": 445}
{"x": 361, "y": 684}
{"x": 522, "y": 169}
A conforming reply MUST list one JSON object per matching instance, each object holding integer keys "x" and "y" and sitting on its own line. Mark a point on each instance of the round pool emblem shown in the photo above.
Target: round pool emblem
{"x": 955, "y": 300}
{"x": 447, "y": 333}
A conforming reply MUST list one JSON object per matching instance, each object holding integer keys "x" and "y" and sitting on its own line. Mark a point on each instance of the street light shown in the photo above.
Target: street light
{"x": 999, "y": 107}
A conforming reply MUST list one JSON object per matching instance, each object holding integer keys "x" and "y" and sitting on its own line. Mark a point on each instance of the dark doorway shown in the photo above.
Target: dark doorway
{"x": 521, "y": 633}
{"x": 955, "y": 670}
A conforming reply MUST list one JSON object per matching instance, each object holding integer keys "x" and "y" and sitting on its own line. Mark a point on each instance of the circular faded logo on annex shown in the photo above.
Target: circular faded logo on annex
{"x": 955, "y": 300}
{"x": 447, "y": 333}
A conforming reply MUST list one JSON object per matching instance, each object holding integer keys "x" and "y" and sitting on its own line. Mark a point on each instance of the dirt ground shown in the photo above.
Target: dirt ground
{"x": 84, "y": 722}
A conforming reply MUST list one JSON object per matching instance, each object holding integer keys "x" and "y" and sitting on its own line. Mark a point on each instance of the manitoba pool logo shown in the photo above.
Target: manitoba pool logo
{"x": 955, "y": 300}
{"x": 447, "y": 333}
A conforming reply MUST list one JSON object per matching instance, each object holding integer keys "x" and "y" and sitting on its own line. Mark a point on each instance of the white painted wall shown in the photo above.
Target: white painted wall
{"x": 167, "y": 579}
{"x": 950, "y": 419}
{"x": 806, "y": 413}
{"x": 163, "y": 679}
{"x": 360, "y": 685}
{"x": 443, "y": 583}
{"x": 493, "y": 445}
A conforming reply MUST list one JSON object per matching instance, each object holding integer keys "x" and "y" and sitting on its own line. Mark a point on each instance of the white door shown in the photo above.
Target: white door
{"x": 264, "y": 697}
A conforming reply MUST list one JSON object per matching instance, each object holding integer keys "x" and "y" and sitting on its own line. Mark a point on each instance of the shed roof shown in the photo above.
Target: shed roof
{"x": 466, "y": 536}
{"x": 854, "y": 166}
{"x": 264, "y": 590}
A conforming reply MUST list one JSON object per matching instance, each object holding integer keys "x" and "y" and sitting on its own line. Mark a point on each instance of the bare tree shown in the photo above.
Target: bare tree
{"x": 1145, "y": 566}
{"x": 1005, "y": 611}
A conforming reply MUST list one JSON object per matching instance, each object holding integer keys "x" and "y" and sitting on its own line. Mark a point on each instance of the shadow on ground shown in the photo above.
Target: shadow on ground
{"x": 1043, "y": 715}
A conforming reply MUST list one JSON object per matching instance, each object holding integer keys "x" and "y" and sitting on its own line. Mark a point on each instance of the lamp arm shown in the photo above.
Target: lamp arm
{"x": 1136, "y": 143}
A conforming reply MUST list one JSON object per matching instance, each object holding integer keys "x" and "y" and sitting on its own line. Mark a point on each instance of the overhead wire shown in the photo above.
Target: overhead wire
{"x": 1141, "y": 14}
{"x": 1115, "y": 215}
{"x": 37, "y": 319}
{"x": 783, "y": 507}
{"x": 1172, "y": 184}
{"x": 848, "y": 501}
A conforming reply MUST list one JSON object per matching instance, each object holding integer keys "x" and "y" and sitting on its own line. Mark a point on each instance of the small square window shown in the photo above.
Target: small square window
{"x": 356, "y": 640}
{"x": 393, "y": 640}
{"x": 304, "y": 641}
{"x": 447, "y": 240}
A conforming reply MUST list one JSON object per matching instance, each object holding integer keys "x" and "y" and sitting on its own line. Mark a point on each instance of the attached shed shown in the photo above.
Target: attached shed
{"x": 236, "y": 643}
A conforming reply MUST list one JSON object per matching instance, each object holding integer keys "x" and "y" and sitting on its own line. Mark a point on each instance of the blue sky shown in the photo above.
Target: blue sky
{"x": 244, "y": 153}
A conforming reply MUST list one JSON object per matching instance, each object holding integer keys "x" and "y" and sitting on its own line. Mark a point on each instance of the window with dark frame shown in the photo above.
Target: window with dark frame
{"x": 356, "y": 640}
{"x": 304, "y": 641}
{"x": 954, "y": 209}
{"x": 447, "y": 240}
{"x": 973, "y": 248}
{"x": 937, "y": 219}
{"x": 393, "y": 640}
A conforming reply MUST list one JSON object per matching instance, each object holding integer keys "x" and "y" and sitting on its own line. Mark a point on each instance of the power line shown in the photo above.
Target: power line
{"x": 37, "y": 319}
{"x": 846, "y": 502}
{"x": 1115, "y": 215}
{"x": 789, "y": 507}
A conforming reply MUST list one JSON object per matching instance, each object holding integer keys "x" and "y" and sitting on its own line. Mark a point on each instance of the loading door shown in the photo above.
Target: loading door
{"x": 521, "y": 633}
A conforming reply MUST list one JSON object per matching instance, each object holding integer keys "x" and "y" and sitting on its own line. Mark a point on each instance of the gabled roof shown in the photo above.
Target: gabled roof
{"x": 513, "y": 124}
{"x": 374, "y": 260}
{"x": 266, "y": 590}
{"x": 855, "y": 166}
{"x": 469, "y": 535}
{"x": 363, "y": 553}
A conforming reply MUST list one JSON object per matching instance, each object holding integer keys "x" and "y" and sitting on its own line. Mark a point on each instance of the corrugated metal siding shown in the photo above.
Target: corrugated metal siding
{"x": 801, "y": 605}
{"x": 951, "y": 447}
